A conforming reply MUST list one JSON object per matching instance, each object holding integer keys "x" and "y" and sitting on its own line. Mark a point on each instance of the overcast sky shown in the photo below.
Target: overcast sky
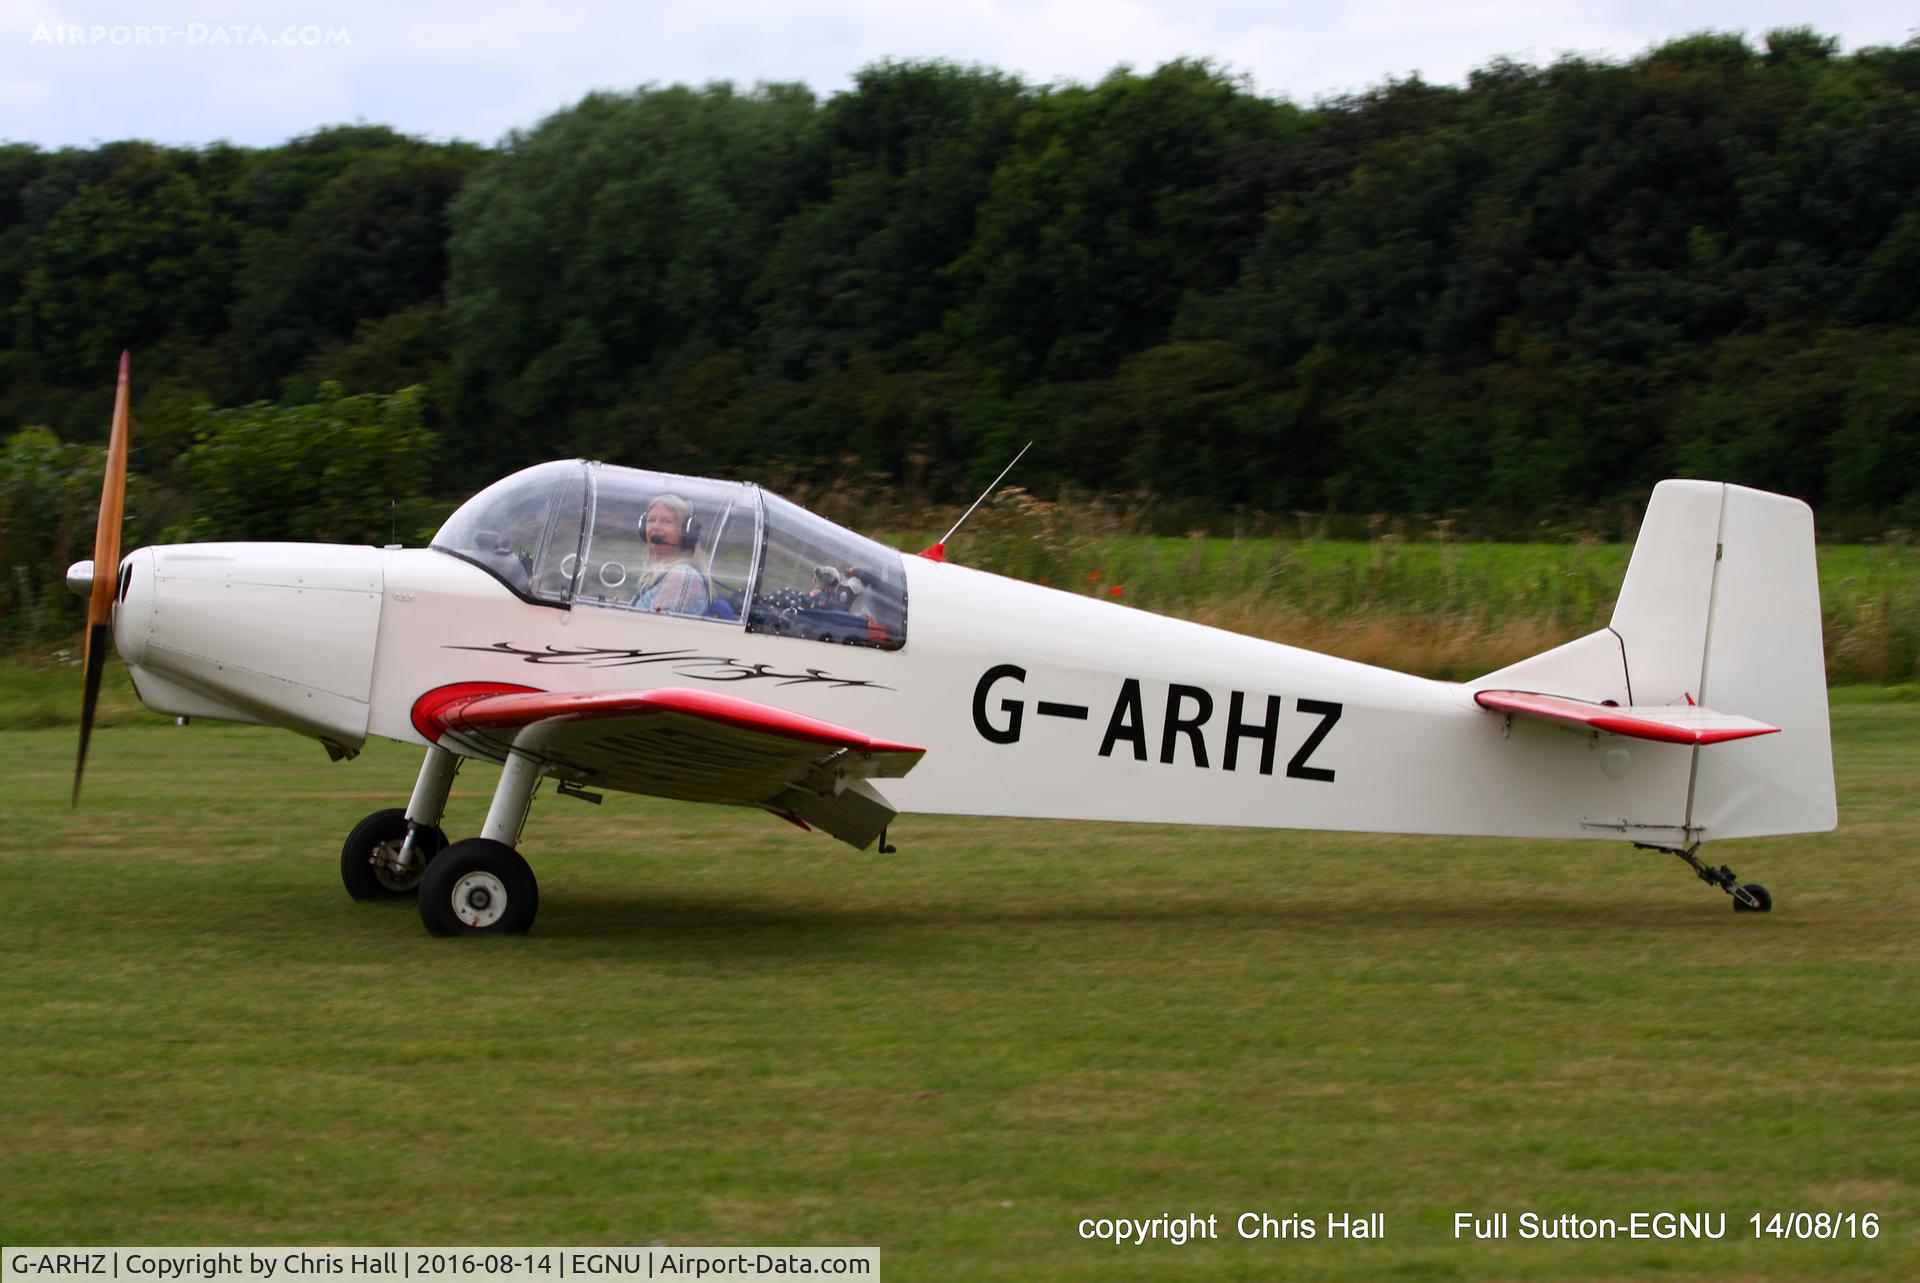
{"x": 193, "y": 71}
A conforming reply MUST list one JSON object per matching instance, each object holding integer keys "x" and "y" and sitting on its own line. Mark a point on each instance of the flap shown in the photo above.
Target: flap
{"x": 1667, "y": 723}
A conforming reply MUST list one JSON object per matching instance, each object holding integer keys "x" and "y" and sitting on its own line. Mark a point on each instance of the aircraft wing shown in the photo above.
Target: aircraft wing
{"x": 1670, "y": 724}
{"x": 699, "y": 746}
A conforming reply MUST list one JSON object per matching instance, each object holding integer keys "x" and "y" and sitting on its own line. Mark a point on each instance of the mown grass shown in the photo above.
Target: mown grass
{"x": 725, "y": 1030}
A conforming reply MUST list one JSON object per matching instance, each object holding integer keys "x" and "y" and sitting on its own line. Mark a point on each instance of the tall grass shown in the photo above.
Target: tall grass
{"x": 1870, "y": 598}
{"x": 1430, "y": 604}
{"x": 1408, "y": 596}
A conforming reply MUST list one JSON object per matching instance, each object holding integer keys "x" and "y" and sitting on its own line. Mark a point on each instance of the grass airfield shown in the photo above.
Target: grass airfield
{"x": 724, "y": 1030}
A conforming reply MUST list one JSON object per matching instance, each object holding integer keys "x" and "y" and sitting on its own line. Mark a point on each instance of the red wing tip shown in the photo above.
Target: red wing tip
{"x": 1719, "y": 737}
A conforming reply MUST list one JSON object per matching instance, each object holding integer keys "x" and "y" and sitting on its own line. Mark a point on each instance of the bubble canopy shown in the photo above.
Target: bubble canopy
{"x": 583, "y": 534}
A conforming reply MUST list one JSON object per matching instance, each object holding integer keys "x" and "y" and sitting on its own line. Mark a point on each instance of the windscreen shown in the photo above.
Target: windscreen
{"x": 524, "y": 530}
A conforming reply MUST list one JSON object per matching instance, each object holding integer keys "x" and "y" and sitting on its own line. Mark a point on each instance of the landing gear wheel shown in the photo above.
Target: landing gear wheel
{"x": 366, "y": 859}
{"x": 478, "y": 887}
{"x": 1750, "y": 898}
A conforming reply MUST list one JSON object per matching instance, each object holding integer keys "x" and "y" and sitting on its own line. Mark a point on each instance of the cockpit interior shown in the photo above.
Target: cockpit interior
{"x": 577, "y": 533}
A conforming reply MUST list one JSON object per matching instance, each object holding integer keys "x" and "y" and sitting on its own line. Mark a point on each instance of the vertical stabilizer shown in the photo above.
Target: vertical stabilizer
{"x": 1721, "y": 603}
{"x": 1661, "y": 616}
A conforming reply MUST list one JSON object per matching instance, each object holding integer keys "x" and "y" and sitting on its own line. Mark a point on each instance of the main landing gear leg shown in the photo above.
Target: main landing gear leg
{"x": 1750, "y": 898}
{"x": 482, "y": 885}
{"x": 425, "y": 809}
{"x": 388, "y": 851}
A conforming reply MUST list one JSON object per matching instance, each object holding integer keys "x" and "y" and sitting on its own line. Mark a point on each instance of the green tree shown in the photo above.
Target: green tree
{"x": 49, "y": 503}
{"x": 909, "y": 154}
{"x": 1115, "y": 203}
{"x": 368, "y": 243}
{"x": 338, "y": 469}
{"x": 611, "y": 248}
{"x": 1875, "y": 451}
{"x": 142, "y": 258}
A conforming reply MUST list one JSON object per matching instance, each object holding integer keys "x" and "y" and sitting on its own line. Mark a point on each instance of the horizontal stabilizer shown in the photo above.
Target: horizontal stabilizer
{"x": 1669, "y": 724}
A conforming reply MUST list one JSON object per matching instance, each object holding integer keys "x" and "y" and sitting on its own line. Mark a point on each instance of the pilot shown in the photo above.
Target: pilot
{"x": 672, "y": 583}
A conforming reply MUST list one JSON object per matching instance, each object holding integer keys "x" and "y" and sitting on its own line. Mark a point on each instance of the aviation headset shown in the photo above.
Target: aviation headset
{"x": 689, "y": 525}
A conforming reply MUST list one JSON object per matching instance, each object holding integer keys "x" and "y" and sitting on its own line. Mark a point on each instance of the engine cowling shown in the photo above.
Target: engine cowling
{"x": 277, "y": 634}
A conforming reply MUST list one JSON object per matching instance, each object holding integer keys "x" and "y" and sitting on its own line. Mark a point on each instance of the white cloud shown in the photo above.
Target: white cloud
{"x": 476, "y": 69}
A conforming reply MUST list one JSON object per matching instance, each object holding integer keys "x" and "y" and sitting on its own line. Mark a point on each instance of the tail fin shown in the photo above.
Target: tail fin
{"x": 1721, "y": 602}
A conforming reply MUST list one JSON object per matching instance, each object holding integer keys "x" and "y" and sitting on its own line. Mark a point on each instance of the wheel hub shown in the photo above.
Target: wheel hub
{"x": 386, "y": 867}
{"x": 479, "y": 900}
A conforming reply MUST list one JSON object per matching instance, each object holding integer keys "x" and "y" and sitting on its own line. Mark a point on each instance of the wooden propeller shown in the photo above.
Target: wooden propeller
{"x": 106, "y": 570}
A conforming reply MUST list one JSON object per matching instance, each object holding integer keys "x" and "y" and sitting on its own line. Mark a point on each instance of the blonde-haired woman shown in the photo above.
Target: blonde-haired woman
{"x": 671, "y": 584}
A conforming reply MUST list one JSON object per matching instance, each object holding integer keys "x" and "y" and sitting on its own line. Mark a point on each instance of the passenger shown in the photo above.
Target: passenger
{"x": 825, "y": 593}
{"x": 834, "y": 590}
{"x": 672, "y": 583}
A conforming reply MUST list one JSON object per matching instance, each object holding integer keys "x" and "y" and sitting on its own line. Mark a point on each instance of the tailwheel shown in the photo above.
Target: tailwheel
{"x": 376, "y": 862}
{"x": 1748, "y": 898}
{"x": 478, "y": 887}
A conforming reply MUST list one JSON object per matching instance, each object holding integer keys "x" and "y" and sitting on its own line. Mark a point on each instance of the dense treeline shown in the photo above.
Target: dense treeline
{"x": 1530, "y": 295}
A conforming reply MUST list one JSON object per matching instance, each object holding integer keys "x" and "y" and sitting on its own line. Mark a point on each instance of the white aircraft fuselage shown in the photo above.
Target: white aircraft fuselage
{"x": 1027, "y": 701}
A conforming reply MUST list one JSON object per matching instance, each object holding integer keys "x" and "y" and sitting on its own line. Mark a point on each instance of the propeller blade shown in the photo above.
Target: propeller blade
{"x": 106, "y": 570}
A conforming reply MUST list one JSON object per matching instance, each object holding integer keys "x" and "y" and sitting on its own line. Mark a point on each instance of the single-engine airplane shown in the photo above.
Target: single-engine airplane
{"x": 620, "y": 629}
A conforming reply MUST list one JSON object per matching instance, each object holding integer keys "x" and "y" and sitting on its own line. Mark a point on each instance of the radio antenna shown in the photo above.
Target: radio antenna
{"x": 939, "y": 550}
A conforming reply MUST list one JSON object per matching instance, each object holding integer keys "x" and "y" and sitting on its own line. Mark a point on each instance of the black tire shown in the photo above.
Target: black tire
{"x": 1759, "y": 893}
{"x": 366, "y": 881}
{"x": 478, "y": 887}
